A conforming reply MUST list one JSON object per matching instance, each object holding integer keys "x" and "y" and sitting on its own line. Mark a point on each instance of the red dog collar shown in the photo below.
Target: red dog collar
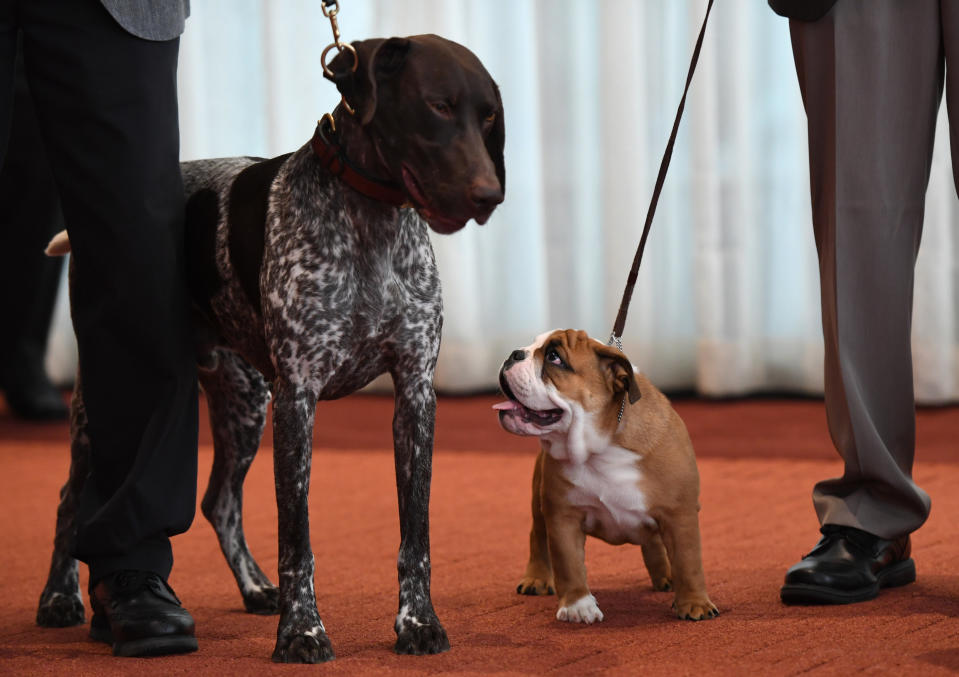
{"x": 327, "y": 148}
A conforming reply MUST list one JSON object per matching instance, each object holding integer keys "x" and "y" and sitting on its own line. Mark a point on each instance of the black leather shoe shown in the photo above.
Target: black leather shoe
{"x": 848, "y": 565}
{"x": 138, "y": 613}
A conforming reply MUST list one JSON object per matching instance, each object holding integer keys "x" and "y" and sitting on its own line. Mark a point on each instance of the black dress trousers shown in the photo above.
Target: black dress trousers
{"x": 107, "y": 106}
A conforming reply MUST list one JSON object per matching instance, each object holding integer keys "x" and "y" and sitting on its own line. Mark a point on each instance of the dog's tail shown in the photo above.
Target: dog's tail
{"x": 59, "y": 245}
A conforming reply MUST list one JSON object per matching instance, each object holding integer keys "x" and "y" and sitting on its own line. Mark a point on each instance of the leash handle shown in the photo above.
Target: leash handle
{"x": 660, "y": 179}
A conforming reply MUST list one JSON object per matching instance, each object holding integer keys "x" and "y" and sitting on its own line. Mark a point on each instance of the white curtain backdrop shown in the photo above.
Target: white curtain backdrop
{"x": 727, "y": 301}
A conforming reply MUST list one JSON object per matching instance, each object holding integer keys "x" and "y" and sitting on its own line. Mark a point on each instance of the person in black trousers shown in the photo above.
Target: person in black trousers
{"x": 29, "y": 280}
{"x": 103, "y": 79}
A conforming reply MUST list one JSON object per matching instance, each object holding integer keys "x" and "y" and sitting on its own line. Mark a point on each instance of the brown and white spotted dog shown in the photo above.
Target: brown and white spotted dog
{"x": 615, "y": 463}
{"x": 310, "y": 279}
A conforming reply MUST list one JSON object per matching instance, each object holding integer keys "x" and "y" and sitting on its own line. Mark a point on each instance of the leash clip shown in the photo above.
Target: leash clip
{"x": 330, "y": 9}
{"x": 617, "y": 341}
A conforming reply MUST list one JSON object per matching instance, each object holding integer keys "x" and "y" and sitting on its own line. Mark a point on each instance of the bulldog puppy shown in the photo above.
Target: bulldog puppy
{"x": 616, "y": 463}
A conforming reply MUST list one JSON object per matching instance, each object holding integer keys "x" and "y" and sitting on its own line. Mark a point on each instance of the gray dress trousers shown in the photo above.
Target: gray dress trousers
{"x": 872, "y": 74}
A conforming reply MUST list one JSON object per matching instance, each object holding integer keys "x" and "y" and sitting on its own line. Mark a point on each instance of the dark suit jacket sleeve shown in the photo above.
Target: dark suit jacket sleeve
{"x": 804, "y": 10}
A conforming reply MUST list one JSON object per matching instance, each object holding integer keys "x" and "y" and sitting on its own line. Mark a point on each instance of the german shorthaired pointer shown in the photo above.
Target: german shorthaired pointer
{"x": 312, "y": 273}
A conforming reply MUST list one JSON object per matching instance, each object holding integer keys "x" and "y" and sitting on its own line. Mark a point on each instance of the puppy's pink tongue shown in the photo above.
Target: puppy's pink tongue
{"x": 506, "y": 406}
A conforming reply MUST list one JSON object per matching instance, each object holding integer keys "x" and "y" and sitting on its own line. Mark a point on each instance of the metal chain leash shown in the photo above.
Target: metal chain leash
{"x": 330, "y": 9}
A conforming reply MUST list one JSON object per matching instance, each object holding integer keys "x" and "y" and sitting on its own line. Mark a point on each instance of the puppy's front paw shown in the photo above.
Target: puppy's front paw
{"x": 534, "y": 586}
{"x": 584, "y": 610}
{"x": 695, "y": 609}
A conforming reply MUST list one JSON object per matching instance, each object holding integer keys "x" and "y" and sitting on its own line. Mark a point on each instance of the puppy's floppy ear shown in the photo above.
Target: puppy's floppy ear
{"x": 377, "y": 58}
{"x": 496, "y": 140}
{"x": 619, "y": 372}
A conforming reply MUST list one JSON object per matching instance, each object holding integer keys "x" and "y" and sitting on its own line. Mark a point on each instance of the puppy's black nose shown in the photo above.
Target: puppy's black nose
{"x": 486, "y": 194}
{"x": 515, "y": 356}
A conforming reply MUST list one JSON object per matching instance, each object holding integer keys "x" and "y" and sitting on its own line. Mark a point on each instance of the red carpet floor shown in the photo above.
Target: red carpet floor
{"x": 758, "y": 460}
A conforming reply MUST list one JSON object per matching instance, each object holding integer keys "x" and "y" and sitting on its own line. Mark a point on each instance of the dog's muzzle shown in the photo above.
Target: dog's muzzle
{"x": 514, "y": 408}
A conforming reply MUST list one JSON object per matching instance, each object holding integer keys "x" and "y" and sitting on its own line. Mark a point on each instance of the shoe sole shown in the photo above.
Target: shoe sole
{"x": 148, "y": 646}
{"x": 901, "y": 573}
{"x": 156, "y": 646}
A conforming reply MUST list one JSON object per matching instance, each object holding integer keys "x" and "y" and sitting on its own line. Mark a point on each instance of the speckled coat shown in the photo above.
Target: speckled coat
{"x": 305, "y": 289}
{"x": 348, "y": 289}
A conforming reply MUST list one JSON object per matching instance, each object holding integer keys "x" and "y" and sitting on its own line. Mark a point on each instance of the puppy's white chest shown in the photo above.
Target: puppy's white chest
{"x": 606, "y": 488}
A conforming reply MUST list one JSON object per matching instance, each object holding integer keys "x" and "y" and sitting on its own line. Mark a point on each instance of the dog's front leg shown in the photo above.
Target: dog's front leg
{"x": 418, "y": 630}
{"x": 538, "y": 579}
{"x": 567, "y": 552}
{"x": 300, "y": 637}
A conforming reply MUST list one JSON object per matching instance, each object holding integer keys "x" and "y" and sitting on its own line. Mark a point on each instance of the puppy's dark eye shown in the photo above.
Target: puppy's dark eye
{"x": 553, "y": 358}
{"x": 490, "y": 119}
{"x": 441, "y": 108}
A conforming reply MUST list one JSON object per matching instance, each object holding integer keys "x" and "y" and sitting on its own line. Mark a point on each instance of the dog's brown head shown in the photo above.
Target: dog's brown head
{"x": 435, "y": 119}
{"x": 561, "y": 381}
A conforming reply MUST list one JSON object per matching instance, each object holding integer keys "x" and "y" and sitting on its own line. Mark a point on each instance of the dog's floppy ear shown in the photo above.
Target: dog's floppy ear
{"x": 496, "y": 140}
{"x": 377, "y": 58}
{"x": 619, "y": 372}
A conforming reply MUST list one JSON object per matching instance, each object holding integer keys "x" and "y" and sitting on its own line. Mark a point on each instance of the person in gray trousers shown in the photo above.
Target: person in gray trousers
{"x": 103, "y": 78}
{"x": 871, "y": 73}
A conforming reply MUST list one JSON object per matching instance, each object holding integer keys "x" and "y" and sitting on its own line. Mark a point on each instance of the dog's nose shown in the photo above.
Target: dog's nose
{"x": 485, "y": 194}
{"x": 514, "y": 357}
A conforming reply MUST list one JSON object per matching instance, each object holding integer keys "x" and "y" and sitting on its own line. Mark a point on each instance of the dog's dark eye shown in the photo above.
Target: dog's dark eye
{"x": 441, "y": 108}
{"x": 553, "y": 358}
{"x": 490, "y": 119}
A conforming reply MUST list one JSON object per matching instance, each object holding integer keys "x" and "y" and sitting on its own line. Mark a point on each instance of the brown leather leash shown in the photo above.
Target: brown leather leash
{"x": 616, "y": 338}
{"x": 332, "y": 154}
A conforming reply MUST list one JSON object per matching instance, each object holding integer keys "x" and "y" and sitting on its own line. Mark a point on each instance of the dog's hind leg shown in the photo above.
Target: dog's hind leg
{"x": 657, "y": 563}
{"x": 681, "y": 538}
{"x": 61, "y": 603}
{"x": 418, "y": 630}
{"x": 237, "y": 397}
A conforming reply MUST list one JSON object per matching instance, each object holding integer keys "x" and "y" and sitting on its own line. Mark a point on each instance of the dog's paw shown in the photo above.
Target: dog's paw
{"x": 421, "y": 638}
{"x": 534, "y": 586}
{"x": 264, "y": 601}
{"x": 584, "y": 610}
{"x": 312, "y": 646}
{"x": 662, "y": 584}
{"x": 696, "y": 609}
{"x": 57, "y": 610}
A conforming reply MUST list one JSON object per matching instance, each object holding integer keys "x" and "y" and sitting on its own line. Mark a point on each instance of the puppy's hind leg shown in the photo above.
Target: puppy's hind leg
{"x": 237, "y": 397}
{"x": 61, "y": 603}
{"x": 681, "y": 537}
{"x": 657, "y": 563}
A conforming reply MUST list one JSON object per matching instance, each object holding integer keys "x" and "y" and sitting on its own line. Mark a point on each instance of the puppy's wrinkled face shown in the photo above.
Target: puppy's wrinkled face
{"x": 562, "y": 375}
